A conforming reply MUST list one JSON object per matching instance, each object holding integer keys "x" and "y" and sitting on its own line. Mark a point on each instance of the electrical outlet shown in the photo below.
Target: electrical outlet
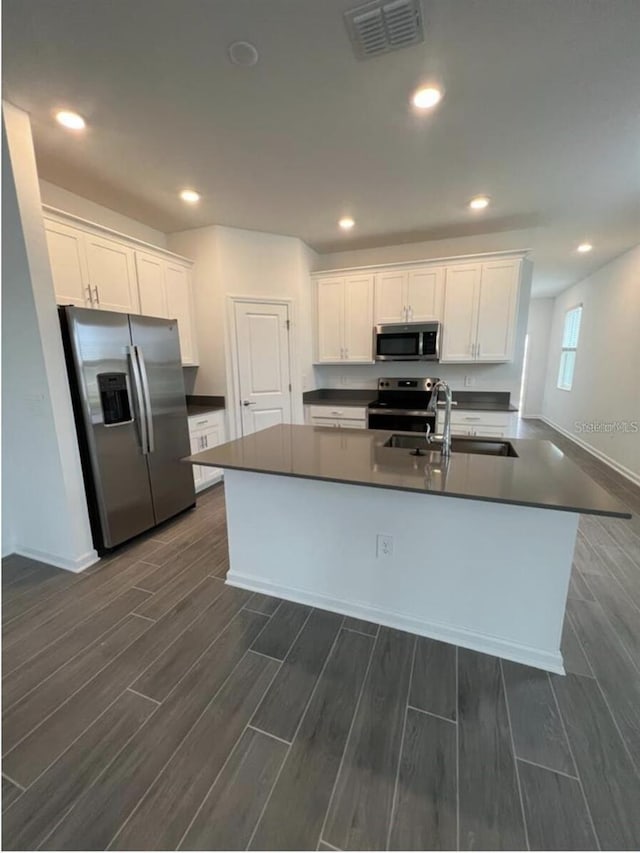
{"x": 384, "y": 546}
{"x": 344, "y": 380}
{"x": 469, "y": 380}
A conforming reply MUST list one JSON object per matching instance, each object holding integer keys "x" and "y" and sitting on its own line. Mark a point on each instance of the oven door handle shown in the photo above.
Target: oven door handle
{"x": 413, "y": 413}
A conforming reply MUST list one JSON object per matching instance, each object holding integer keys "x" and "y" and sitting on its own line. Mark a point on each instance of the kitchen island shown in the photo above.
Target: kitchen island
{"x": 474, "y": 550}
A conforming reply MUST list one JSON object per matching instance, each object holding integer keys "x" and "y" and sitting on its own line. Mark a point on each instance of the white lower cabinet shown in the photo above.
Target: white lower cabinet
{"x": 205, "y": 432}
{"x": 485, "y": 424}
{"x": 347, "y": 417}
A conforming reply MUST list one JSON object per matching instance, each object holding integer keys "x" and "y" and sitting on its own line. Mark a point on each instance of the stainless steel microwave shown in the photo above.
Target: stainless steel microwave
{"x": 407, "y": 342}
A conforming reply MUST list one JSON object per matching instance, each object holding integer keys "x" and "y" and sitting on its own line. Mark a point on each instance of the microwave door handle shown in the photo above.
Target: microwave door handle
{"x": 137, "y": 384}
{"x": 420, "y": 344}
{"x": 147, "y": 400}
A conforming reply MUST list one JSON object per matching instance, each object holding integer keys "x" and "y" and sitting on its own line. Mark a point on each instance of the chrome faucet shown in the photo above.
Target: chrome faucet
{"x": 445, "y": 438}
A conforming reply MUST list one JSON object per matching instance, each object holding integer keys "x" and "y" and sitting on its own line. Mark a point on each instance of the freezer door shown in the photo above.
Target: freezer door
{"x": 157, "y": 346}
{"x": 100, "y": 344}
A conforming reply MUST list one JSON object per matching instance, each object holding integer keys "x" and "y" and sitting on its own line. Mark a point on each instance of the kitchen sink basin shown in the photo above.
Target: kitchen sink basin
{"x": 459, "y": 444}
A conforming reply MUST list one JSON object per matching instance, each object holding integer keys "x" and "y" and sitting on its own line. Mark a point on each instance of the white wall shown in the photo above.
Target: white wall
{"x": 86, "y": 209}
{"x": 237, "y": 262}
{"x": 41, "y": 472}
{"x": 480, "y": 377}
{"x": 606, "y": 385}
{"x": 538, "y": 332}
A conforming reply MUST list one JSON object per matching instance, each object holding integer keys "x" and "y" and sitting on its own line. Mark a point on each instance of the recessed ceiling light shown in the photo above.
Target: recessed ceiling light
{"x": 72, "y": 121}
{"x": 346, "y": 223}
{"x": 243, "y": 53}
{"x": 190, "y": 196}
{"x": 479, "y": 202}
{"x": 426, "y": 97}
{"x": 585, "y": 247}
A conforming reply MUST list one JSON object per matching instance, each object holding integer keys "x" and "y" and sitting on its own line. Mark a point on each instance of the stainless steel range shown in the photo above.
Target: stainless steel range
{"x": 403, "y": 405}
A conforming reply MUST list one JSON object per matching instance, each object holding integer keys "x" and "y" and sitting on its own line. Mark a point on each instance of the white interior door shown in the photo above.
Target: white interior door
{"x": 264, "y": 372}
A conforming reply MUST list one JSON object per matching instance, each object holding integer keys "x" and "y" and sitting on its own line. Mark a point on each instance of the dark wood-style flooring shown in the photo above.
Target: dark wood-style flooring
{"x": 148, "y": 706}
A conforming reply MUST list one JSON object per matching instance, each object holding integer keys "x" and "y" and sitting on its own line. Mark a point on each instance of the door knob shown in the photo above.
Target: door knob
{"x": 248, "y": 403}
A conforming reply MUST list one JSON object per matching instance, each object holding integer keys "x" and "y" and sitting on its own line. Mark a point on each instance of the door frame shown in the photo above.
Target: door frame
{"x": 233, "y": 362}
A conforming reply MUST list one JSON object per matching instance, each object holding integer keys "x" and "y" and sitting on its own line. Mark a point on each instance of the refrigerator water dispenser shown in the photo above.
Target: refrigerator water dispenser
{"x": 114, "y": 397}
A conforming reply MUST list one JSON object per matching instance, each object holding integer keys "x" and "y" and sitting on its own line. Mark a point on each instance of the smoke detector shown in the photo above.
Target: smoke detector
{"x": 379, "y": 27}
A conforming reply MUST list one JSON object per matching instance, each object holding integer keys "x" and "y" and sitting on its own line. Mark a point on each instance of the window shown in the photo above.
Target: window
{"x": 570, "y": 336}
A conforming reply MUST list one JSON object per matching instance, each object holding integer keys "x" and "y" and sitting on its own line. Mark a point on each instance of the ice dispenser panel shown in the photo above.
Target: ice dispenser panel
{"x": 114, "y": 397}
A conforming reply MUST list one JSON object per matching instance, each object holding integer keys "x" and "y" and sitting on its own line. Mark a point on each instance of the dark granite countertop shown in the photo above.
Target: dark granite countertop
{"x": 202, "y": 404}
{"x": 541, "y": 476}
{"x": 472, "y": 401}
{"x": 339, "y": 397}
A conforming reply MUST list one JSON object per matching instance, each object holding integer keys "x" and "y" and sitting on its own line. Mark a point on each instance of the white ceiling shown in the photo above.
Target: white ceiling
{"x": 541, "y": 112}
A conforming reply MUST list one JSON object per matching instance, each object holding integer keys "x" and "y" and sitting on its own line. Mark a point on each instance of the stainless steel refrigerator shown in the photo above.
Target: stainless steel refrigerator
{"x": 129, "y": 401}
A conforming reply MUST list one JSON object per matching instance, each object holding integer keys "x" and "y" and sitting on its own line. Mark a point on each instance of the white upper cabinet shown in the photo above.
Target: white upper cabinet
{"x": 358, "y": 311}
{"x": 151, "y": 285}
{"x": 480, "y": 308}
{"x": 391, "y": 297}
{"x": 497, "y": 310}
{"x": 460, "y": 319}
{"x": 424, "y": 294}
{"x": 409, "y": 296}
{"x": 112, "y": 275}
{"x": 330, "y": 319}
{"x": 179, "y": 305}
{"x": 68, "y": 267}
{"x": 344, "y": 319}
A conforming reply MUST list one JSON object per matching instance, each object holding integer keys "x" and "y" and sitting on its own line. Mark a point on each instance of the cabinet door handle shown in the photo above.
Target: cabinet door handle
{"x": 205, "y": 443}
{"x": 346, "y": 353}
{"x": 478, "y": 350}
{"x": 89, "y": 294}
{"x": 410, "y": 312}
{"x": 95, "y": 290}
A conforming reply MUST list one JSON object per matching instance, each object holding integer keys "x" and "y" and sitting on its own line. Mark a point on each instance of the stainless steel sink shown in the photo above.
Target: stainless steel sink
{"x": 459, "y": 444}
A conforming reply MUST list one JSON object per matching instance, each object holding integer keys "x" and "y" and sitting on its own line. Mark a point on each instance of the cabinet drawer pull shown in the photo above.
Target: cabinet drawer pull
{"x": 199, "y": 423}
{"x": 468, "y": 418}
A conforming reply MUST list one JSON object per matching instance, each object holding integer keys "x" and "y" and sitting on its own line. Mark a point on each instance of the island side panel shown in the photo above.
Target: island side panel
{"x": 487, "y": 576}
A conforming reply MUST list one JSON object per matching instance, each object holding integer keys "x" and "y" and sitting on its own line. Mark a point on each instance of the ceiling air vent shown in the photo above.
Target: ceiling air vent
{"x": 379, "y": 27}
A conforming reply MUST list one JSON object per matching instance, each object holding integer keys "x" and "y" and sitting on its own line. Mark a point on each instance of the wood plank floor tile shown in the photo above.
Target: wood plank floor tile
{"x": 538, "y": 735}
{"x": 361, "y": 625}
{"x": 33, "y": 709}
{"x": 30, "y": 820}
{"x": 587, "y": 560}
{"x": 10, "y": 793}
{"x": 157, "y": 604}
{"x": 89, "y": 596}
{"x": 555, "y": 811}
{"x": 425, "y": 813}
{"x": 14, "y": 566}
{"x": 613, "y": 667}
{"x": 159, "y": 679}
{"x": 609, "y": 778}
{"x": 227, "y": 817}
{"x": 433, "y": 682}
{"x": 78, "y": 641}
{"x": 296, "y": 809}
{"x": 624, "y": 570}
{"x": 43, "y": 745}
{"x": 105, "y": 806}
{"x": 575, "y": 660}
{"x": 284, "y": 626}
{"x": 490, "y": 811}
{"x": 170, "y": 804}
{"x": 360, "y": 812}
{"x": 53, "y": 583}
{"x": 283, "y": 706}
{"x": 578, "y": 587}
{"x": 266, "y": 604}
{"x": 622, "y": 613}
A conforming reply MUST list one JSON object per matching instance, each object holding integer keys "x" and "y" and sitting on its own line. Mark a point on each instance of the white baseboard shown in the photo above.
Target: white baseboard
{"x": 620, "y": 469}
{"x": 436, "y": 631}
{"x": 77, "y": 565}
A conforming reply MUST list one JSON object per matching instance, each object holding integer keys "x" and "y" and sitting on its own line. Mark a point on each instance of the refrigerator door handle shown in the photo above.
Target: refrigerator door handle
{"x": 142, "y": 411}
{"x": 147, "y": 400}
